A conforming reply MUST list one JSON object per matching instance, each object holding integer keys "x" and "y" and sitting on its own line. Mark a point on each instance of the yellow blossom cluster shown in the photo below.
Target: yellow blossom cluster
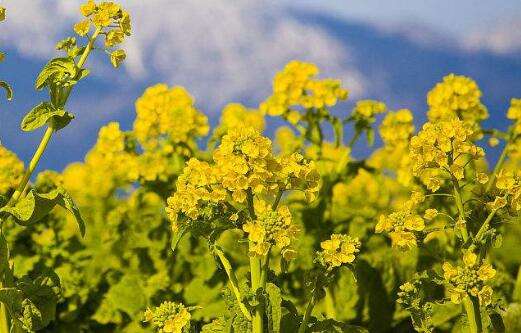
{"x": 397, "y": 127}
{"x": 286, "y": 140}
{"x": 469, "y": 279}
{"x": 339, "y": 250}
{"x": 401, "y": 227}
{"x": 197, "y": 188}
{"x": 271, "y": 227}
{"x": 235, "y": 115}
{"x": 168, "y": 114}
{"x": 509, "y": 185}
{"x": 456, "y": 96}
{"x": 443, "y": 148}
{"x": 11, "y": 170}
{"x": 243, "y": 165}
{"x": 366, "y": 110}
{"x": 514, "y": 113}
{"x": 297, "y": 86}
{"x": 168, "y": 317}
{"x": 109, "y": 19}
{"x": 329, "y": 157}
{"x": 110, "y": 164}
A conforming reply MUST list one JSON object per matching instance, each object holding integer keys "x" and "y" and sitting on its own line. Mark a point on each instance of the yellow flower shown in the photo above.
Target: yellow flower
{"x": 397, "y": 127}
{"x": 403, "y": 240}
{"x": 486, "y": 272}
{"x": 339, "y": 249}
{"x": 498, "y": 203}
{"x": 469, "y": 259}
{"x": 82, "y": 27}
{"x": 493, "y": 142}
{"x": 456, "y": 97}
{"x": 2, "y": 14}
{"x": 168, "y": 114}
{"x": 11, "y": 170}
{"x": 505, "y": 180}
{"x": 169, "y": 317}
{"x": 485, "y": 295}
{"x": 88, "y": 8}
{"x": 117, "y": 57}
{"x": 367, "y": 110}
{"x": 482, "y": 178}
{"x": 297, "y": 86}
{"x": 114, "y": 37}
{"x": 430, "y": 213}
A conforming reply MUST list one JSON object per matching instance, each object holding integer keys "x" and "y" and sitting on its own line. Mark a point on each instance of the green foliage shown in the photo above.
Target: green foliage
{"x": 36, "y": 206}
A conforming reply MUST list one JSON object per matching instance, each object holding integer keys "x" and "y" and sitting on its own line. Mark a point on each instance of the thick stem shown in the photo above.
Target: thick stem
{"x": 234, "y": 284}
{"x": 485, "y": 225}
{"x": 4, "y": 319}
{"x": 309, "y": 309}
{"x": 471, "y": 305}
{"x": 461, "y": 209}
{"x": 33, "y": 164}
{"x": 255, "y": 271}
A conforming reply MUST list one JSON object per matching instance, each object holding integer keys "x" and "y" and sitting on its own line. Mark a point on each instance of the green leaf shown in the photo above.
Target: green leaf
{"x": 33, "y": 301}
{"x": 516, "y": 296}
{"x": 36, "y": 206}
{"x": 274, "y": 307}
{"x": 127, "y": 296}
{"x": 58, "y": 71}
{"x": 7, "y": 89}
{"x": 46, "y": 113}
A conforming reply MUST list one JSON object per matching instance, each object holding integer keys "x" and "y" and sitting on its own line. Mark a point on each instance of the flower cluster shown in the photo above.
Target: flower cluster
{"x": 198, "y": 191}
{"x": 297, "y": 86}
{"x": 366, "y": 110}
{"x": 235, "y": 115}
{"x": 11, "y": 170}
{"x": 169, "y": 317}
{"x": 401, "y": 227}
{"x": 329, "y": 157}
{"x": 469, "y": 279}
{"x": 111, "y": 163}
{"x": 271, "y": 227}
{"x": 456, "y": 96}
{"x": 168, "y": 114}
{"x": 339, "y": 250}
{"x": 443, "y": 148}
{"x": 509, "y": 185}
{"x": 514, "y": 113}
{"x": 108, "y": 19}
{"x": 397, "y": 128}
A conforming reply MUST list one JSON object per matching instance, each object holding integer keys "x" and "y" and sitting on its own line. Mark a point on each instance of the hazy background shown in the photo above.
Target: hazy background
{"x": 227, "y": 51}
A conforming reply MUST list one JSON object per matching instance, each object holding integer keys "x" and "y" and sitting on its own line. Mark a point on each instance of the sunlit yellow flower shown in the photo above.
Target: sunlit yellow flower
{"x": 82, "y": 27}
{"x": 169, "y": 317}
{"x": 339, "y": 250}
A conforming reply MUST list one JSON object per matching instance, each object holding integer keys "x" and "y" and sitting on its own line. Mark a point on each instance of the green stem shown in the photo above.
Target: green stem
{"x": 471, "y": 305}
{"x": 461, "y": 209}
{"x": 234, "y": 284}
{"x": 484, "y": 226}
{"x": 330, "y": 304}
{"x": 309, "y": 309}
{"x": 255, "y": 271}
{"x": 33, "y": 164}
{"x": 277, "y": 199}
{"x": 4, "y": 319}
{"x": 498, "y": 166}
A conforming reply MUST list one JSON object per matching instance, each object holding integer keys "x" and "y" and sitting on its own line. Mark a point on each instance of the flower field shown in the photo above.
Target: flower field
{"x": 176, "y": 226}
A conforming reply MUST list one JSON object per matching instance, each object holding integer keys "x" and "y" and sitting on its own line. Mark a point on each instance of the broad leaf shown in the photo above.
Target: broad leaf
{"x": 46, "y": 113}
{"x": 7, "y": 89}
{"x": 58, "y": 71}
{"x": 274, "y": 307}
{"x": 36, "y": 206}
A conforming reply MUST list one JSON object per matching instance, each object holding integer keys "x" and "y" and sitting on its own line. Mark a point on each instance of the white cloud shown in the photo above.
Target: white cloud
{"x": 221, "y": 50}
{"x": 502, "y": 37}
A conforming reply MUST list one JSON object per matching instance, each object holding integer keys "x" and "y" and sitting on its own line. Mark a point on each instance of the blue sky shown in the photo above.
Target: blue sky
{"x": 228, "y": 51}
{"x": 452, "y": 16}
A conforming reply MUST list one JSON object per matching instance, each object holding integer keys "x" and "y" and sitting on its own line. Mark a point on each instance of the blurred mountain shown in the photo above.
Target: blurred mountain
{"x": 395, "y": 64}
